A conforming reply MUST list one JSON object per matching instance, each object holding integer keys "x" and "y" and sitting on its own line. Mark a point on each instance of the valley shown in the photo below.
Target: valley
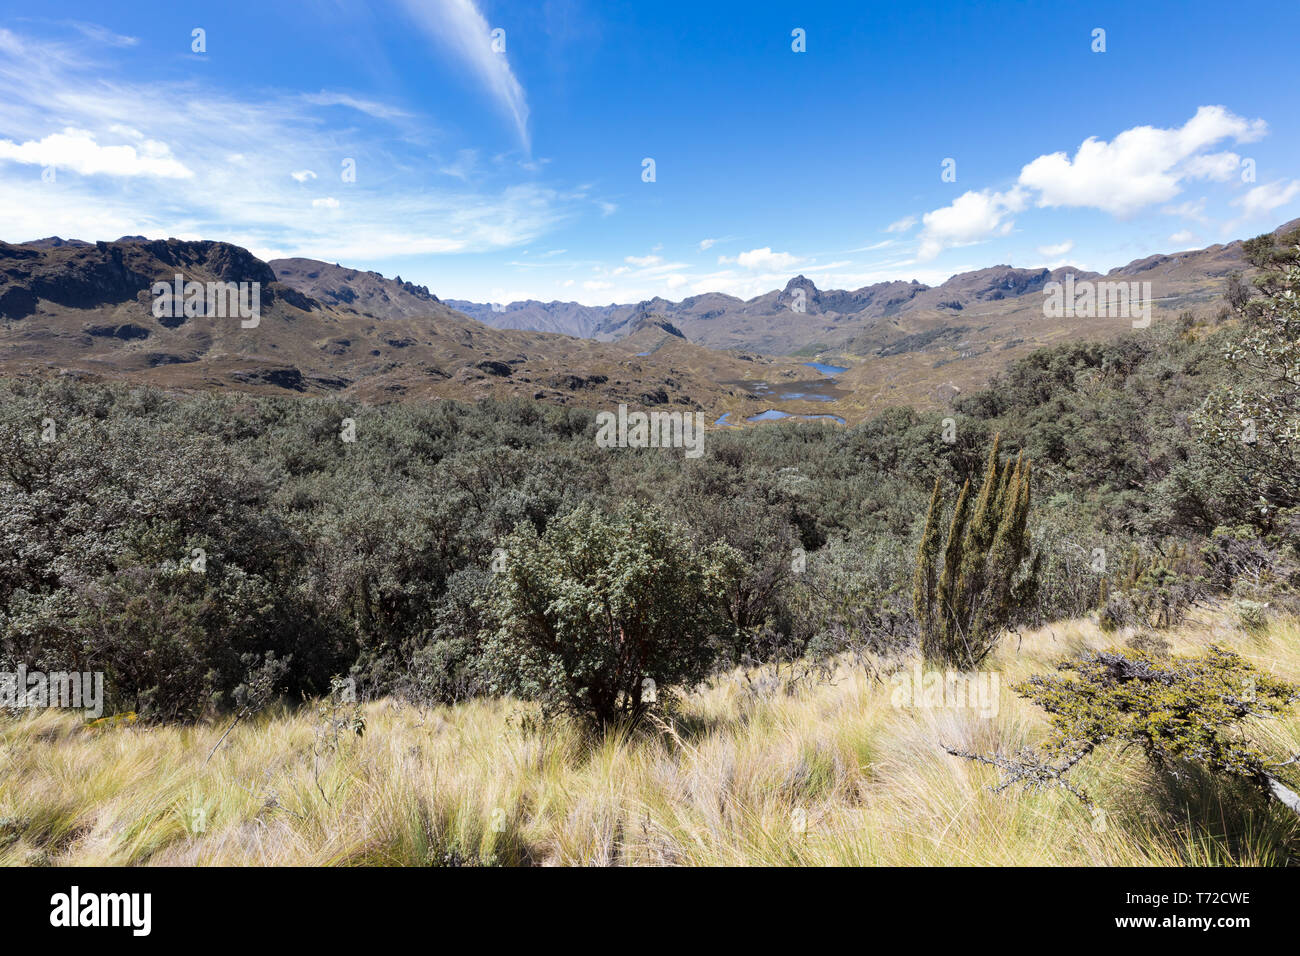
{"x": 85, "y": 310}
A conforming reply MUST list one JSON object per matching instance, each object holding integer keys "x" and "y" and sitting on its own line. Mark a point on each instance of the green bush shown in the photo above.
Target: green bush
{"x": 1174, "y": 709}
{"x": 602, "y": 614}
{"x": 966, "y": 593}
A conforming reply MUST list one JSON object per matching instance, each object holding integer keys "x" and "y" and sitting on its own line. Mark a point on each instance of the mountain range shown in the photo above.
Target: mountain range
{"x": 869, "y": 320}
{"x": 70, "y": 307}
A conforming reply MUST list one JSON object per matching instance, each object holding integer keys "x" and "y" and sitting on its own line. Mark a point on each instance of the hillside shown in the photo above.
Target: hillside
{"x": 757, "y": 771}
{"x": 86, "y": 310}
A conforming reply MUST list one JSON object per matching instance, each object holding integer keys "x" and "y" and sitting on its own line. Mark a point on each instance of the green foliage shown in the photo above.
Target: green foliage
{"x": 1173, "y": 708}
{"x": 1257, "y": 567}
{"x": 1177, "y": 710}
{"x": 372, "y": 558}
{"x": 853, "y": 596}
{"x": 1152, "y": 589}
{"x": 602, "y": 617}
{"x": 1253, "y": 423}
{"x": 965, "y": 593}
{"x": 445, "y": 661}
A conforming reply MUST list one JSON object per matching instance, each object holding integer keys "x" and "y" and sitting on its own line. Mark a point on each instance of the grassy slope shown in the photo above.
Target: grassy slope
{"x": 471, "y": 783}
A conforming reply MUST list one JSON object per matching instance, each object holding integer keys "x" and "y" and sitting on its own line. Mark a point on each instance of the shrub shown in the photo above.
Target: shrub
{"x": 604, "y": 616}
{"x": 1172, "y": 708}
{"x": 446, "y": 663}
{"x": 1252, "y": 425}
{"x": 853, "y": 596}
{"x": 1153, "y": 590}
{"x": 965, "y": 595}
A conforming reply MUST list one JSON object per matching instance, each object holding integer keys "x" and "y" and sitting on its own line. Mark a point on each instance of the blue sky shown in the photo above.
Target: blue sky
{"x": 501, "y": 174}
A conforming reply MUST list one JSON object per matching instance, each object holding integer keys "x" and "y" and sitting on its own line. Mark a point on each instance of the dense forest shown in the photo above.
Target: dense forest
{"x": 196, "y": 547}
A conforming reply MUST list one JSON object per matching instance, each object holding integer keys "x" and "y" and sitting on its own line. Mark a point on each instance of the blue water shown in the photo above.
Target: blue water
{"x": 827, "y": 369}
{"x": 639, "y": 354}
{"x": 807, "y": 396}
{"x": 723, "y": 420}
{"x": 773, "y": 414}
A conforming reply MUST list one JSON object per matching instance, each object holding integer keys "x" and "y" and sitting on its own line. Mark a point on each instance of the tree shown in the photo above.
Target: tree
{"x": 966, "y": 593}
{"x": 1253, "y": 423}
{"x": 604, "y": 616}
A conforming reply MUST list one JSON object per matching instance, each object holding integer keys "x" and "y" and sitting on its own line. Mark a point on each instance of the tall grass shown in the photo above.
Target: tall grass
{"x": 828, "y": 774}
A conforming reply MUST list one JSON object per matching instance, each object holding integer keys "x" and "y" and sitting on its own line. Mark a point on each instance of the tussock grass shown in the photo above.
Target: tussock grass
{"x": 829, "y": 774}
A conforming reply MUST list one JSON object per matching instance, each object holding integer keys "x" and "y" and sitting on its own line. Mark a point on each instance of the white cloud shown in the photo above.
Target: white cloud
{"x": 902, "y": 225}
{"x": 643, "y": 261}
{"x": 596, "y": 285}
{"x": 763, "y": 258}
{"x": 972, "y": 217}
{"x": 93, "y": 31}
{"x": 76, "y": 149}
{"x": 460, "y": 27}
{"x": 707, "y": 244}
{"x": 328, "y": 202}
{"x": 361, "y": 105}
{"x": 1060, "y": 249}
{"x": 1193, "y": 210}
{"x": 1219, "y": 167}
{"x": 302, "y": 175}
{"x": 1183, "y": 236}
{"x": 1262, "y": 200}
{"x": 1141, "y": 166}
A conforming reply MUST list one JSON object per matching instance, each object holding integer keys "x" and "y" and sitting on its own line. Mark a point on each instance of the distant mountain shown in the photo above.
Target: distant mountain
{"x": 876, "y": 318}
{"x": 566, "y": 318}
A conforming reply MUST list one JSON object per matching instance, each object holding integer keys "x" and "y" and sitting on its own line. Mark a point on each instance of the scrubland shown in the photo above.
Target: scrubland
{"x": 756, "y": 768}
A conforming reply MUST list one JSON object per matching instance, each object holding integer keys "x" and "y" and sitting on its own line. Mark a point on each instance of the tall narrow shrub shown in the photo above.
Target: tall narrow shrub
{"x": 967, "y": 592}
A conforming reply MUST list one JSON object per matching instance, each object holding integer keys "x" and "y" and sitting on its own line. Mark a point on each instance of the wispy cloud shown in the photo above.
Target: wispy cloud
{"x": 360, "y": 104}
{"x": 1058, "y": 249}
{"x": 163, "y": 159}
{"x": 99, "y": 34}
{"x": 1264, "y": 199}
{"x": 459, "y": 27}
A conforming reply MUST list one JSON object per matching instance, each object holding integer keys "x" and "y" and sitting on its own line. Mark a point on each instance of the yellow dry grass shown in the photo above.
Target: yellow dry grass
{"x": 830, "y": 774}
